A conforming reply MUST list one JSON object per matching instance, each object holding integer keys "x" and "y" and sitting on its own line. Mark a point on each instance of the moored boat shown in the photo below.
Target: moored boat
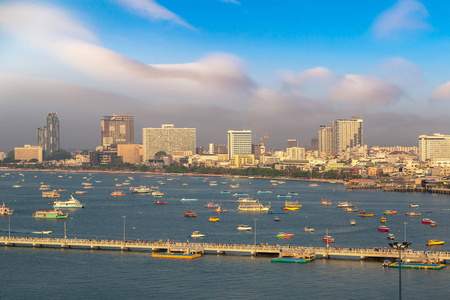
{"x": 351, "y": 209}
{"x": 364, "y": 214}
{"x": 284, "y": 196}
{"x": 52, "y": 194}
{"x": 244, "y": 228}
{"x": 50, "y": 214}
{"x": 212, "y": 205}
{"x": 190, "y": 214}
{"x": 117, "y": 194}
{"x": 383, "y": 220}
{"x": 160, "y": 202}
{"x": 390, "y": 212}
{"x": 426, "y": 221}
{"x": 414, "y": 205}
{"x": 435, "y": 243}
{"x": 141, "y": 190}
{"x": 282, "y": 235}
{"x": 390, "y": 236}
{"x": 352, "y": 222}
{"x": 253, "y": 207}
{"x": 383, "y": 228}
{"x": 213, "y": 219}
{"x": 328, "y": 239}
{"x": 308, "y": 229}
{"x": 5, "y": 211}
{"x": 326, "y": 202}
{"x": 219, "y": 209}
{"x": 197, "y": 234}
{"x": 413, "y": 213}
{"x": 240, "y": 195}
{"x": 188, "y": 200}
{"x": 246, "y": 200}
{"x": 80, "y": 192}
{"x": 71, "y": 203}
{"x": 292, "y": 204}
{"x": 433, "y": 224}
{"x": 225, "y": 192}
{"x": 264, "y": 192}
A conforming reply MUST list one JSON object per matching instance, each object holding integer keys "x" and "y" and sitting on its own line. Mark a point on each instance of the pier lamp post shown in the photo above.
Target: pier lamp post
{"x": 124, "y": 217}
{"x": 254, "y": 219}
{"x": 404, "y": 223}
{"x": 399, "y": 247}
{"x": 65, "y": 232}
{"x": 9, "y": 226}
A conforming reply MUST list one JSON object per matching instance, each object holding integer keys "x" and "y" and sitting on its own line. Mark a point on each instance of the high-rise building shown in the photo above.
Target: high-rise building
{"x": 167, "y": 139}
{"x": 314, "y": 143}
{"x": 436, "y": 146}
{"x": 27, "y": 153}
{"x": 48, "y": 136}
{"x": 325, "y": 140}
{"x": 347, "y": 134}
{"x": 291, "y": 143}
{"x": 117, "y": 129}
{"x": 41, "y": 138}
{"x": 239, "y": 142}
{"x": 295, "y": 153}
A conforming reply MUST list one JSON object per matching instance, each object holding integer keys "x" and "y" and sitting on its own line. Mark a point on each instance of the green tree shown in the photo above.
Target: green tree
{"x": 59, "y": 154}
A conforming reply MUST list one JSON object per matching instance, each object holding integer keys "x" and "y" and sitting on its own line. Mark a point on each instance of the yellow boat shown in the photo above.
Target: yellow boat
{"x": 364, "y": 214}
{"x": 435, "y": 243}
{"x": 214, "y": 219}
{"x": 383, "y": 220}
{"x": 291, "y": 208}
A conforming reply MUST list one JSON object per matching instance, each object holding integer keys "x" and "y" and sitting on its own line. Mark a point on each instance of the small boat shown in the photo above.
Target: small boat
{"x": 272, "y": 185}
{"x": 390, "y": 236}
{"x": 234, "y": 186}
{"x": 364, "y": 214}
{"x": 157, "y": 194}
{"x": 435, "y": 243}
{"x": 80, "y": 192}
{"x": 88, "y": 187}
{"x": 326, "y": 202}
{"x": 188, "y": 200}
{"x": 282, "y": 235}
{"x": 61, "y": 190}
{"x": 328, "y": 238}
{"x": 413, "y": 213}
{"x": 291, "y": 208}
{"x": 190, "y": 214}
{"x": 197, "y": 234}
{"x": 50, "y": 214}
{"x": 225, "y": 192}
{"x": 42, "y": 232}
{"x": 383, "y": 220}
{"x": 117, "y": 194}
{"x": 16, "y": 186}
{"x": 292, "y": 194}
{"x": 212, "y": 205}
{"x": 390, "y": 212}
{"x": 244, "y": 228}
{"x": 383, "y": 228}
{"x": 426, "y": 221}
{"x": 351, "y": 209}
{"x": 308, "y": 229}
{"x": 433, "y": 224}
{"x": 264, "y": 192}
{"x": 52, "y": 194}
{"x": 352, "y": 222}
{"x": 345, "y": 205}
{"x": 185, "y": 184}
{"x": 213, "y": 219}
{"x": 160, "y": 202}
{"x": 276, "y": 219}
{"x": 219, "y": 209}
{"x": 414, "y": 205}
{"x": 240, "y": 195}
{"x": 313, "y": 184}
{"x": 284, "y": 196}
{"x": 5, "y": 211}
{"x": 213, "y": 184}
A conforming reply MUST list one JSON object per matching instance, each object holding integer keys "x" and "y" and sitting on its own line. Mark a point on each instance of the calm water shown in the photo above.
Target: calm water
{"x": 44, "y": 273}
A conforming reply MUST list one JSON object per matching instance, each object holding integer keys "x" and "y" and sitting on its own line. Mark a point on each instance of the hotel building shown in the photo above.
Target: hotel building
{"x": 347, "y": 134}
{"x": 239, "y": 142}
{"x": 117, "y": 129}
{"x": 436, "y": 146}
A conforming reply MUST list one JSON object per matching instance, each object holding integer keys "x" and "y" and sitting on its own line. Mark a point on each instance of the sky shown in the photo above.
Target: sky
{"x": 290, "y": 66}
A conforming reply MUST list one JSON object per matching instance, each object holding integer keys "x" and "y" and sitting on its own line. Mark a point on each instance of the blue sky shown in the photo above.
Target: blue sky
{"x": 289, "y": 65}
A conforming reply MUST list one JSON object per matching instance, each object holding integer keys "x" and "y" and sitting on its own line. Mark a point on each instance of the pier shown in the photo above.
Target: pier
{"x": 214, "y": 248}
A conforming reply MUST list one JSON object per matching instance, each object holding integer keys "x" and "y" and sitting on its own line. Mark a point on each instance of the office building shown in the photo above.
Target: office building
{"x": 325, "y": 140}
{"x": 117, "y": 129}
{"x": 48, "y": 136}
{"x": 295, "y": 153}
{"x": 167, "y": 139}
{"x": 347, "y": 134}
{"x": 291, "y": 143}
{"x": 239, "y": 142}
{"x": 436, "y": 146}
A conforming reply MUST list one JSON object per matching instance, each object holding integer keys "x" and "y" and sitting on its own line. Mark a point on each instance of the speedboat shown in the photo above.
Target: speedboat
{"x": 383, "y": 220}
{"x": 282, "y": 235}
{"x": 435, "y": 243}
{"x": 213, "y": 219}
{"x": 414, "y": 205}
{"x": 413, "y": 213}
{"x": 326, "y": 202}
{"x": 212, "y": 205}
{"x": 291, "y": 208}
{"x": 352, "y": 222}
{"x": 284, "y": 196}
{"x": 364, "y": 214}
{"x": 426, "y": 221}
{"x": 308, "y": 229}
{"x": 225, "y": 192}
{"x": 390, "y": 236}
{"x": 197, "y": 234}
{"x": 383, "y": 228}
{"x": 160, "y": 202}
{"x": 390, "y": 212}
{"x": 328, "y": 238}
{"x": 244, "y": 228}
{"x": 293, "y": 193}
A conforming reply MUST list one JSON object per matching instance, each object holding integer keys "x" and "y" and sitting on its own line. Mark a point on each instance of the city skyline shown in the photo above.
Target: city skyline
{"x": 289, "y": 67}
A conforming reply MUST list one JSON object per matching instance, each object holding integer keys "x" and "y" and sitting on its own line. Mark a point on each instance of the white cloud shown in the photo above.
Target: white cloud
{"x": 319, "y": 75}
{"x": 441, "y": 93}
{"x": 154, "y": 11}
{"x": 404, "y": 16}
{"x": 401, "y": 72}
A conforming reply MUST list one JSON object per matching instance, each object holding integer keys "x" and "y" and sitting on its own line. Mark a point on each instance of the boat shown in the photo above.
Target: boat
{"x": 390, "y": 212}
{"x": 185, "y": 184}
{"x": 42, "y": 232}
{"x": 244, "y": 228}
{"x": 313, "y": 184}
{"x": 219, "y": 209}
{"x": 426, "y": 221}
{"x": 294, "y": 257}
{"x": 197, "y": 234}
{"x": 88, "y": 187}
{"x": 345, "y": 205}
{"x": 160, "y": 202}
{"x": 271, "y": 212}
{"x": 213, "y": 219}
{"x": 435, "y": 243}
{"x": 240, "y": 195}
{"x": 273, "y": 185}
{"x": 383, "y": 228}
{"x": 86, "y": 183}
{"x": 413, "y": 213}
{"x": 424, "y": 266}
{"x": 142, "y": 190}
{"x": 5, "y": 211}
{"x": 264, "y": 192}
{"x": 62, "y": 190}
{"x": 326, "y": 202}
{"x": 292, "y": 204}
{"x": 282, "y": 235}
{"x": 383, "y": 220}
{"x": 253, "y": 207}
{"x": 117, "y": 193}
{"x": 234, "y": 186}
{"x": 364, "y": 214}
{"x": 292, "y": 194}
{"x": 352, "y": 222}
{"x": 52, "y": 194}
{"x": 291, "y": 208}
{"x": 284, "y": 196}
{"x": 246, "y": 200}
{"x": 212, "y": 205}
{"x": 328, "y": 239}
{"x": 390, "y": 236}
{"x": 351, "y": 209}
{"x": 414, "y": 205}
{"x": 213, "y": 184}
{"x": 72, "y": 203}
{"x": 308, "y": 229}
{"x": 188, "y": 199}
{"x": 80, "y": 192}
{"x": 50, "y": 214}
{"x": 433, "y": 224}
{"x": 190, "y": 214}
{"x": 157, "y": 194}
{"x": 276, "y": 218}
{"x": 225, "y": 192}
{"x": 16, "y": 186}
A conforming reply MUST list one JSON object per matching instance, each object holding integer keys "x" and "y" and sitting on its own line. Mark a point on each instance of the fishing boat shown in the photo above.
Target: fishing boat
{"x": 117, "y": 194}
{"x": 328, "y": 239}
{"x": 351, "y": 209}
{"x": 240, "y": 195}
{"x": 390, "y": 236}
{"x": 219, "y": 209}
{"x": 345, "y": 205}
{"x": 52, "y": 194}
{"x": 225, "y": 192}
{"x": 157, "y": 194}
{"x": 292, "y": 204}
{"x": 383, "y": 220}
{"x": 390, "y": 212}
{"x": 352, "y": 222}
{"x": 326, "y": 202}
{"x": 253, "y": 207}
{"x": 5, "y": 211}
{"x": 413, "y": 213}
{"x": 50, "y": 214}
{"x": 433, "y": 224}
{"x": 282, "y": 235}
{"x": 264, "y": 192}
{"x": 71, "y": 203}
{"x": 435, "y": 243}
{"x": 364, "y": 214}
{"x": 190, "y": 214}
{"x": 160, "y": 202}
{"x": 234, "y": 186}
{"x": 213, "y": 219}
{"x": 414, "y": 205}
{"x": 246, "y": 200}
{"x": 142, "y": 190}
{"x": 188, "y": 200}
{"x": 244, "y": 228}
{"x": 426, "y": 221}
{"x": 383, "y": 228}
{"x": 80, "y": 192}
{"x": 308, "y": 229}
{"x": 212, "y": 205}
{"x": 284, "y": 196}
{"x": 197, "y": 234}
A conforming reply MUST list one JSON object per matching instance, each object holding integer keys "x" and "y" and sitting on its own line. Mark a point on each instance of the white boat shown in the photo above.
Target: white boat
{"x": 244, "y": 228}
{"x": 253, "y": 207}
{"x": 309, "y": 229}
{"x": 197, "y": 234}
{"x": 246, "y": 200}
{"x": 414, "y": 205}
{"x": 390, "y": 236}
{"x": 72, "y": 203}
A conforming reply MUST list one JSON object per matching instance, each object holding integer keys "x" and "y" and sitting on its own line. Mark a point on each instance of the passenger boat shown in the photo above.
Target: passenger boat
{"x": 390, "y": 236}
{"x": 246, "y": 200}
{"x": 435, "y": 243}
{"x": 390, "y": 212}
{"x": 80, "y": 192}
{"x": 364, "y": 214}
{"x": 282, "y": 235}
{"x": 383, "y": 228}
{"x": 292, "y": 204}
{"x": 188, "y": 199}
{"x": 284, "y": 196}
{"x": 328, "y": 238}
{"x": 414, "y": 205}
{"x": 413, "y": 213}
{"x": 219, "y": 209}
{"x": 72, "y": 203}
{"x": 426, "y": 221}
{"x": 117, "y": 194}
{"x": 160, "y": 202}
{"x": 253, "y": 207}
{"x": 50, "y": 214}
{"x": 264, "y": 192}
{"x": 225, "y": 192}
{"x": 240, "y": 195}
{"x": 52, "y": 194}
{"x": 197, "y": 234}
{"x": 213, "y": 219}
{"x": 352, "y": 222}
{"x": 190, "y": 214}
{"x": 308, "y": 229}
{"x": 212, "y": 205}
{"x": 142, "y": 190}
{"x": 5, "y": 211}
{"x": 383, "y": 220}
{"x": 326, "y": 202}
{"x": 351, "y": 209}
{"x": 244, "y": 228}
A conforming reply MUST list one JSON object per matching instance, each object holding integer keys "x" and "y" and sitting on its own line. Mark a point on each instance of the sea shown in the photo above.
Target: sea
{"x": 42, "y": 273}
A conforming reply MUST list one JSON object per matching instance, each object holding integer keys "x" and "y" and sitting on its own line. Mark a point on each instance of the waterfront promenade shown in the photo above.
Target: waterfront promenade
{"x": 214, "y": 248}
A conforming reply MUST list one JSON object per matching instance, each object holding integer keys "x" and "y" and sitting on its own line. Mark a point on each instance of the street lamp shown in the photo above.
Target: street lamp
{"x": 124, "y": 217}
{"x": 404, "y": 223}
{"x": 399, "y": 247}
{"x": 254, "y": 219}
{"x": 9, "y": 226}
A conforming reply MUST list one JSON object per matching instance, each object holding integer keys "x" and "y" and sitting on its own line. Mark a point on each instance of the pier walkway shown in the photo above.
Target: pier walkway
{"x": 213, "y": 248}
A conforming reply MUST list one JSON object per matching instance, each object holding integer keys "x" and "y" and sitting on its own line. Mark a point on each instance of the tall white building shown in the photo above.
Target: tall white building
{"x": 436, "y": 146}
{"x": 347, "y": 134}
{"x": 325, "y": 140}
{"x": 239, "y": 142}
{"x": 167, "y": 139}
{"x": 295, "y": 153}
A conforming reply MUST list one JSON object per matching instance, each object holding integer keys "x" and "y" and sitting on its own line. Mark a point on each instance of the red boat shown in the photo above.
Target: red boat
{"x": 190, "y": 214}
{"x": 272, "y": 185}
{"x": 212, "y": 205}
{"x": 383, "y": 228}
{"x": 328, "y": 238}
{"x": 160, "y": 202}
{"x": 426, "y": 221}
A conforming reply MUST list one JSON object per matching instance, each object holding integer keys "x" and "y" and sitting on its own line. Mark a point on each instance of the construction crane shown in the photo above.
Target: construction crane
{"x": 264, "y": 137}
